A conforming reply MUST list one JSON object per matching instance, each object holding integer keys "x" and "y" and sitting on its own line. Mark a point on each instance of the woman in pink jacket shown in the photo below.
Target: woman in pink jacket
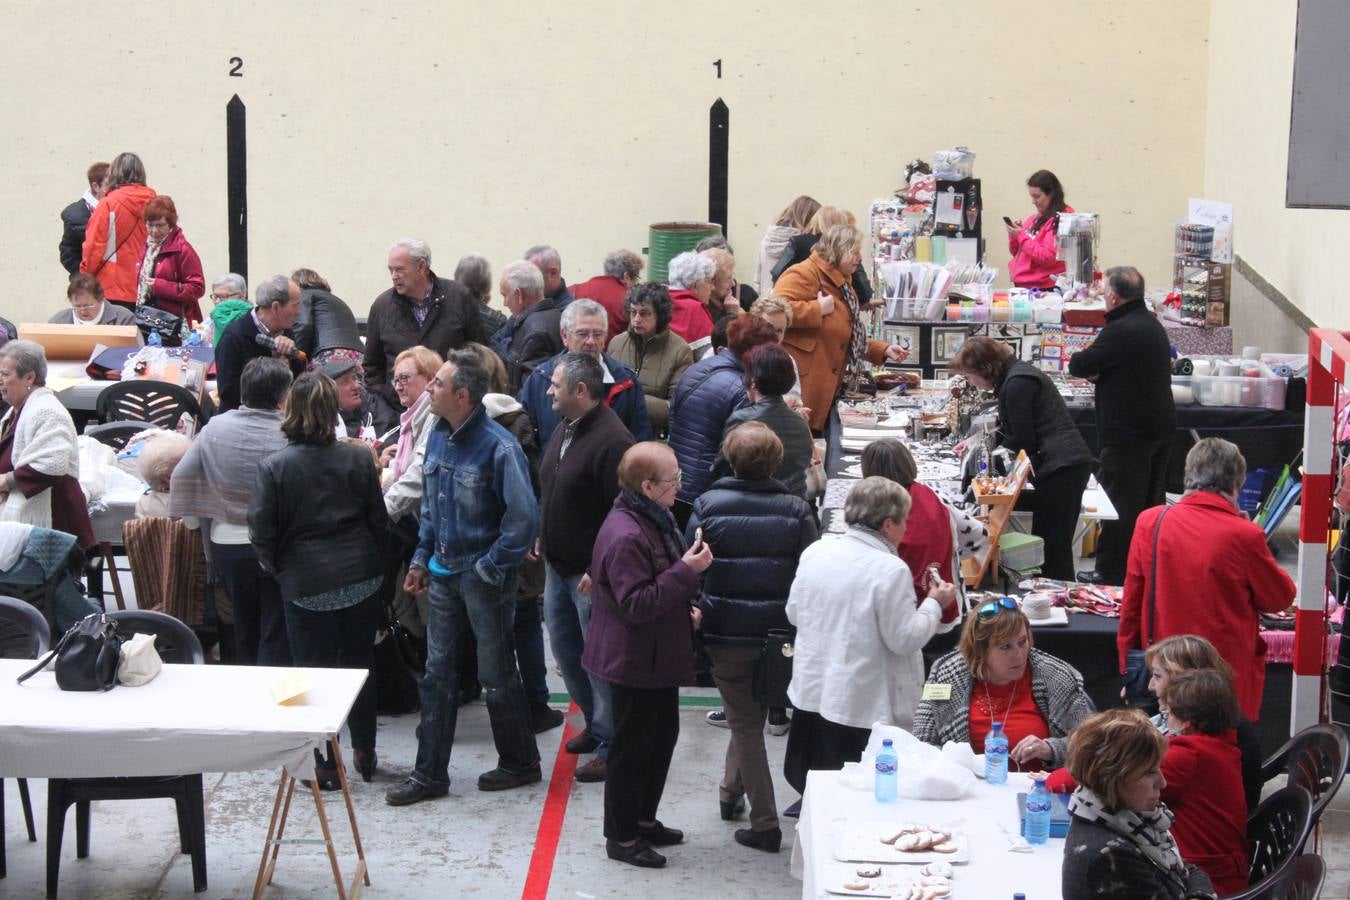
{"x": 1032, "y": 241}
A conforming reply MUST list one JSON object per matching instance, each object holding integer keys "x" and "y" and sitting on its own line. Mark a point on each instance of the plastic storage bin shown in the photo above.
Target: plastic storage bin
{"x": 1236, "y": 390}
{"x": 1021, "y": 552}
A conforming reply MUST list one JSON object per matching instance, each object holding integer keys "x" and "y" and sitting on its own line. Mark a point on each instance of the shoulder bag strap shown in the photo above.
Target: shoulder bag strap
{"x": 45, "y": 660}
{"x": 120, "y": 244}
{"x": 1153, "y": 578}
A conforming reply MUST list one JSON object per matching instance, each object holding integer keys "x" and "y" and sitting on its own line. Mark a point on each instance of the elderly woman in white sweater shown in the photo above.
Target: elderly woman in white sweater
{"x": 39, "y": 455}
{"x": 860, "y": 633}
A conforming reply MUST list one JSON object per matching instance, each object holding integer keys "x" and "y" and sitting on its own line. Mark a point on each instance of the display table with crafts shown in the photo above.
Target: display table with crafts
{"x": 77, "y": 391}
{"x": 839, "y": 821}
{"x": 168, "y": 727}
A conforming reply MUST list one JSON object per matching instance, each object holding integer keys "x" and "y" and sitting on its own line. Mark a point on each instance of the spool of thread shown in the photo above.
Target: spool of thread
{"x": 1284, "y": 371}
{"x": 1201, "y": 367}
{"x": 923, "y": 249}
{"x": 1251, "y": 353}
{"x": 1036, "y": 607}
{"x": 1183, "y": 394}
{"x": 939, "y": 249}
{"x": 1183, "y": 366}
{"x": 1229, "y": 369}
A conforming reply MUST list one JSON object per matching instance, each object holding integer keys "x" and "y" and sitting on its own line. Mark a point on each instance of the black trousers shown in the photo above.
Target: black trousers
{"x": 340, "y": 639}
{"x": 815, "y": 742}
{"x": 1058, "y": 500}
{"x": 259, "y": 611}
{"x": 1135, "y": 478}
{"x": 646, "y": 727}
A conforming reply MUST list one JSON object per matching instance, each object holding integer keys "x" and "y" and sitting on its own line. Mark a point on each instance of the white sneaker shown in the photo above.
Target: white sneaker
{"x": 718, "y": 718}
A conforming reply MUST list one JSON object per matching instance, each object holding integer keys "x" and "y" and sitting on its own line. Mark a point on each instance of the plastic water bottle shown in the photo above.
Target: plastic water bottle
{"x": 887, "y": 777}
{"x": 996, "y": 756}
{"x": 153, "y": 339}
{"x": 1038, "y": 813}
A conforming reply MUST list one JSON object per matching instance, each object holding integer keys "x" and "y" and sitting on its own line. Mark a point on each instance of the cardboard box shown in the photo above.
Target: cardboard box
{"x": 78, "y": 341}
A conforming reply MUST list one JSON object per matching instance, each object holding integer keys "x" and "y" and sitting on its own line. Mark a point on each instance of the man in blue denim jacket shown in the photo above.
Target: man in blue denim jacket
{"x": 479, "y": 518}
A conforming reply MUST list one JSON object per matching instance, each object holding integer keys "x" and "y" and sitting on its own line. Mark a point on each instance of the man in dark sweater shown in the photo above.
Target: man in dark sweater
{"x": 75, "y": 217}
{"x": 419, "y": 309}
{"x": 579, "y": 480}
{"x": 274, "y": 315}
{"x": 1131, "y": 364}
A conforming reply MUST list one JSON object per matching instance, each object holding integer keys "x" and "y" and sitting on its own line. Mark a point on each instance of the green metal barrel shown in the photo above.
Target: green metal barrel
{"x": 667, "y": 240}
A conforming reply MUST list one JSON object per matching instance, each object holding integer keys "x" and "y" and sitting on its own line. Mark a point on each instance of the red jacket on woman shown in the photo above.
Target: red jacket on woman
{"x": 688, "y": 316}
{"x": 178, "y": 283}
{"x": 1204, "y": 792}
{"x": 114, "y": 239}
{"x": 1215, "y": 577}
{"x": 1035, "y": 261}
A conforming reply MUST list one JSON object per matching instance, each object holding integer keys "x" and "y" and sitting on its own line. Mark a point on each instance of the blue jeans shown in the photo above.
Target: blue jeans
{"x": 465, "y": 603}
{"x": 567, "y": 613}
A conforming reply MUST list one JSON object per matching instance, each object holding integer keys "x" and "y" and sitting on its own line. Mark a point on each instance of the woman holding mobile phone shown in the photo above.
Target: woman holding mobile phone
{"x": 1031, "y": 241}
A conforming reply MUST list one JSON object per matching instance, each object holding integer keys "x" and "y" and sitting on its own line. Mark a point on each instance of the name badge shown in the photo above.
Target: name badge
{"x": 937, "y": 692}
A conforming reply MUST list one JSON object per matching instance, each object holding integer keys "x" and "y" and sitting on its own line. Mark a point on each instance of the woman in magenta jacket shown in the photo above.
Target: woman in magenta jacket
{"x": 170, "y": 272}
{"x": 1032, "y": 241}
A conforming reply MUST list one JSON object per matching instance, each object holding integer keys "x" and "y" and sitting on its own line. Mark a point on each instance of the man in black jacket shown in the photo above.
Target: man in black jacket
{"x": 579, "y": 480}
{"x": 533, "y": 333}
{"x": 273, "y": 317}
{"x": 1131, "y": 364}
{"x": 75, "y": 217}
{"x": 419, "y": 309}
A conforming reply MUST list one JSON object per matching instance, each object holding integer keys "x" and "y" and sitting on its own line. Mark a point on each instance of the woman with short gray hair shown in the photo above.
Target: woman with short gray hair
{"x": 39, "y": 453}
{"x": 860, "y": 633}
{"x": 475, "y": 273}
{"x": 1200, "y": 567}
{"x": 690, "y": 276}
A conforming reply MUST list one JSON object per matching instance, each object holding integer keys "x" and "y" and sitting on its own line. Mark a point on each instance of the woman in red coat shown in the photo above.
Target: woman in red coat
{"x": 170, "y": 272}
{"x": 1214, "y": 574}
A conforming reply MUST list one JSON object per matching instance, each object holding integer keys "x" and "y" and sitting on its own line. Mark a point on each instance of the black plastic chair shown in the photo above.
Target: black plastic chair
{"x": 1276, "y": 833}
{"x": 176, "y": 644}
{"x": 23, "y": 635}
{"x": 1304, "y": 879}
{"x": 141, "y": 400}
{"x": 1314, "y": 759}
{"x": 117, "y": 434}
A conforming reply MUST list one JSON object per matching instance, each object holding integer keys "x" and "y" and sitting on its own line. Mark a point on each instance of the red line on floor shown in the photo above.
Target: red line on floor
{"x": 555, "y": 811}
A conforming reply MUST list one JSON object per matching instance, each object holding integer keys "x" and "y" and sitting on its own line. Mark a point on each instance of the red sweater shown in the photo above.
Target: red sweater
{"x": 689, "y": 318}
{"x": 1215, "y": 576}
{"x": 609, "y": 292}
{"x": 1204, "y": 792}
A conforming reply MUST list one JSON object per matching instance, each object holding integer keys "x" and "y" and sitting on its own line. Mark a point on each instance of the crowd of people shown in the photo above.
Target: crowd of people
{"x": 629, "y": 466}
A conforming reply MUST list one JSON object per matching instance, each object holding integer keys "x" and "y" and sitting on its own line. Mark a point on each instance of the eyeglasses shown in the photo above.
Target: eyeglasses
{"x": 404, "y": 378}
{"x": 588, "y": 335}
{"x": 678, "y": 479}
{"x": 994, "y": 607}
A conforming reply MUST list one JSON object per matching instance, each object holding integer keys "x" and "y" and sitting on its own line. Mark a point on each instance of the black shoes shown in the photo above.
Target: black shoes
{"x": 470, "y": 694}
{"x": 500, "y": 779}
{"x": 583, "y": 743}
{"x": 659, "y": 835}
{"x": 413, "y": 792}
{"x": 794, "y": 811}
{"x": 545, "y": 718}
{"x": 731, "y": 810}
{"x": 768, "y": 841}
{"x": 1091, "y": 576}
{"x": 639, "y": 854}
{"x": 365, "y": 762}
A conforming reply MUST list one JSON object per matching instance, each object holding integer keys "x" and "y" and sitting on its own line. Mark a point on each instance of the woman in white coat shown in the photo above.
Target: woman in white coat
{"x": 860, "y": 633}
{"x": 39, "y": 455}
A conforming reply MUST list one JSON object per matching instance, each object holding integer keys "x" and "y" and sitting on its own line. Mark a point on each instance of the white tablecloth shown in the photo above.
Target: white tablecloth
{"x": 189, "y": 719}
{"x": 993, "y": 871}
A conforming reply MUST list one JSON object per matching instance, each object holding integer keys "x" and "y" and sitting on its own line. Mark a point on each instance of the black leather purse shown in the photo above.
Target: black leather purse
{"x": 773, "y": 672}
{"x": 1136, "y": 667}
{"x": 86, "y": 656}
{"x": 166, "y": 324}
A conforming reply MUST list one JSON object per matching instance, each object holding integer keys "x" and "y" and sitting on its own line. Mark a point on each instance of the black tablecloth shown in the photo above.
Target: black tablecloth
{"x": 1267, "y": 439}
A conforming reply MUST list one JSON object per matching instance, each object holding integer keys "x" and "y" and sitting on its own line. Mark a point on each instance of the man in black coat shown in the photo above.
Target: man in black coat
{"x": 273, "y": 317}
{"x": 579, "y": 480}
{"x": 533, "y": 333}
{"x": 75, "y": 217}
{"x": 1131, "y": 364}
{"x": 419, "y": 309}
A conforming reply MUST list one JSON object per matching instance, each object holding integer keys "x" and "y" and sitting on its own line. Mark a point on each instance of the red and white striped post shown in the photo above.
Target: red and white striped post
{"x": 1328, "y": 359}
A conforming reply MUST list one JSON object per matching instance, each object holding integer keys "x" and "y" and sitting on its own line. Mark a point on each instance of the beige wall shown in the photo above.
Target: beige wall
{"x": 1301, "y": 252}
{"x": 490, "y": 128}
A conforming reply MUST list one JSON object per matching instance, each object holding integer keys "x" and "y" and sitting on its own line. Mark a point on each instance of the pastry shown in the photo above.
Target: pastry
{"x": 869, "y": 871}
{"x": 938, "y": 868}
{"x": 856, "y": 886}
{"x": 946, "y": 846}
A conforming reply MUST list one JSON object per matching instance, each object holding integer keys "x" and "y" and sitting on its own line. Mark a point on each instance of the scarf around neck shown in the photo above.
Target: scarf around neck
{"x": 856, "y": 366}
{"x": 659, "y": 516}
{"x": 1151, "y": 832}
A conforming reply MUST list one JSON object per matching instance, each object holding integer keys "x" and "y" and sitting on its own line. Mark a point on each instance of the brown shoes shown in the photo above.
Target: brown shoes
{"x": 592, "y": 771}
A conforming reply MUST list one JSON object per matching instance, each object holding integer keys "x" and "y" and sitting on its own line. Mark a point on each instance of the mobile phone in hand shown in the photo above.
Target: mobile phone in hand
{"x": 1007, "y": 221}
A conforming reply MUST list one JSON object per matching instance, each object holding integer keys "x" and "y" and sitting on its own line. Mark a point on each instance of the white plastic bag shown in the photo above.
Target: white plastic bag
{"x": 95, "y": 461}
{"x": 926, "y": 773}
{"x": 140, "y": 661}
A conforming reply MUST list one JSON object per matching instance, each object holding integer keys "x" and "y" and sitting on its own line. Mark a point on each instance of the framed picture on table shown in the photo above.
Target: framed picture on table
{"x": 946, "y": 341}
{"x": 907, "y": 336}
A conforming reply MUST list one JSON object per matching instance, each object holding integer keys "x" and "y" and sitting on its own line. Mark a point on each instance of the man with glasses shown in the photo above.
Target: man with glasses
{"x": 531, "y": 335}
{"x": 579, "y": 480}
{"x": 584, "y": 325}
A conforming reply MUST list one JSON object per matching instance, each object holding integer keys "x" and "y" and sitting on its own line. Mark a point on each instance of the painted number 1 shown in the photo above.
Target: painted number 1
{"x": 237, "y": 67}
{"x": 718, "y": 65}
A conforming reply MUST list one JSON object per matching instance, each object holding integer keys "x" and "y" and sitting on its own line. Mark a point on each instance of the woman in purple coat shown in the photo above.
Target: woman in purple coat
{"x": 643, "y": 586}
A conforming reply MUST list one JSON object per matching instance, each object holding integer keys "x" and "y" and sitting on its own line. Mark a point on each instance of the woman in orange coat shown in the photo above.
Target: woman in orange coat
{"x": 115, "y": 236}
{"x": 828, "y": 338}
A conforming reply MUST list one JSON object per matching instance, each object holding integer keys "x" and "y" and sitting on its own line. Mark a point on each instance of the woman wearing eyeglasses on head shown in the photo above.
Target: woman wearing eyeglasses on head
{"x": 994, "y": 675}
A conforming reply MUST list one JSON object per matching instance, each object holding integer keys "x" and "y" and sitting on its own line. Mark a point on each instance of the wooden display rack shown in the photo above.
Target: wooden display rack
{"x": 1000, "y": 508}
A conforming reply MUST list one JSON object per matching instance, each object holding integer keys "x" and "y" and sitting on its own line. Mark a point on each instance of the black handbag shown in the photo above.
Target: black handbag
{"x": 1136, "y": 667}
{"x": 398, "y": 669}
{"x": 773, "y": 672}
{"x": 86, "y": 656}
{"x": 165, "y": 324}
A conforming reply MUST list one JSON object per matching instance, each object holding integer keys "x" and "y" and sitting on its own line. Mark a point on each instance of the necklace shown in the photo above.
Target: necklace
{"x": 989, "y": 701}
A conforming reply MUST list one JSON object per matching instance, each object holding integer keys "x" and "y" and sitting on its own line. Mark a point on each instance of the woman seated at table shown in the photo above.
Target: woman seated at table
{"x": 161, "y": 452}
{"x": 994, "y": 675}
{"x": 937, "y": 535}
{"x": 87, "y": 306}
{"x": 860, "y": 633}
{"x": 1120, "y": 843}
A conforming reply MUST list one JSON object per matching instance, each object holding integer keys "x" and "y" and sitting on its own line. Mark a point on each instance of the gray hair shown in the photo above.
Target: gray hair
{"x": 582, "y": 368}
{"x": 623, "y": 262}
{"x": 28, "y": 357}
{"x": 417, "y": 249}
{"x": 274, "y": 290}
{"x": 582, "y": 307}
{"x": 475, "y": 273}
{"x": 161, "y": 452}
{"x": 234, "y": 282}
{"x": 1215, "y": 465}
{"x": 874, "y": 500}
{"x": 524, "y": 276}
{"x": 470, "y": 374}
{"x": 1126, "y": 283}
{"x": 689, "y": 269}
{"x": 713, "y": 242}
{"x": 544, "y": 256}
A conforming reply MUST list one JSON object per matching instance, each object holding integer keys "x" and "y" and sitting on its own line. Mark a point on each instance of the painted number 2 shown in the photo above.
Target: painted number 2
{"x": 237, "y": 67}
{"x": 718, "y": 66}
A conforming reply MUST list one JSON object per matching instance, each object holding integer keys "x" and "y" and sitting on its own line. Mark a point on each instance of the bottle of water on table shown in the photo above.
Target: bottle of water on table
{"x": 996, "y": 756}
{"x": 887, "y": 775}
{"x": 1038, "y": 813}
